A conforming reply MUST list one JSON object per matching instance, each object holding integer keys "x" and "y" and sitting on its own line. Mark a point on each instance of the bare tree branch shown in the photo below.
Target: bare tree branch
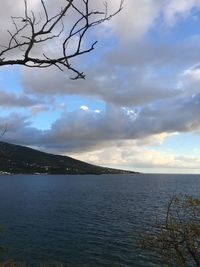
{"x": 4, "y": 131}
{"x": 176, "y": 240}
{"x": 31, "y": 31}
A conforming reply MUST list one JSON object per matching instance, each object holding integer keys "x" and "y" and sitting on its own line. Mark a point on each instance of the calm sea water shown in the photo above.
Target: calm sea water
{"x": 84, "y": 220}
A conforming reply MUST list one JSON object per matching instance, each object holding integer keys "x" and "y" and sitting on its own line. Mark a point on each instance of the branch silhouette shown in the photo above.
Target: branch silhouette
{"x": 31, "y": 30}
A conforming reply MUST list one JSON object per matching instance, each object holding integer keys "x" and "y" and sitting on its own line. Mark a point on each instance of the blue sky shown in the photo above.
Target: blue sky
{"x": 138, "y": 107}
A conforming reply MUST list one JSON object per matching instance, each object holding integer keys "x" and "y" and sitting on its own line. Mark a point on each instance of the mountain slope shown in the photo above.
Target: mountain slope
{"x": 19, "y": 159}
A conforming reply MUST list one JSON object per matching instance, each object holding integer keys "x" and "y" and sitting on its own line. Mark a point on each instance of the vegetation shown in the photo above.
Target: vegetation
{"x": 176, "y": 240}
{"x": 18, "y": 159}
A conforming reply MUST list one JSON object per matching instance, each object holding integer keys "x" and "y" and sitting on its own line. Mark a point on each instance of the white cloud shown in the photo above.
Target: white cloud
{"x": 130, "y": 156}
{"x": 84, "y": 108}
{"x": 189, "y": 81}
{"x": 175, "y": 9}
{"x": 136, "y": 18}
{"x": 39, "y": 109}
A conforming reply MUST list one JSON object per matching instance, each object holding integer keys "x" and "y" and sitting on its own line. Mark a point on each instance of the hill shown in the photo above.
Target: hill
{"x": 15, "y": 159}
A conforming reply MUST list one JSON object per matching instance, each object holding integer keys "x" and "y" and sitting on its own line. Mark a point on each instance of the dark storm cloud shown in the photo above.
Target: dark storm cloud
{"x": 13, "y": 100}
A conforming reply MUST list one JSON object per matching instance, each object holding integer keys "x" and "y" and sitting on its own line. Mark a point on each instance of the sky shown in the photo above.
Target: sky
{"x": 139, "y": 106}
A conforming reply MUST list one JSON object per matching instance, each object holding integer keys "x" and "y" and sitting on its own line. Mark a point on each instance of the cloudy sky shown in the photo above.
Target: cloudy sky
{"x": 139, "y": 106}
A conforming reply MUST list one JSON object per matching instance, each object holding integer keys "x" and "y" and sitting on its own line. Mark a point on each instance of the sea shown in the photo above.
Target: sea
{"x": 84, "y": 220}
